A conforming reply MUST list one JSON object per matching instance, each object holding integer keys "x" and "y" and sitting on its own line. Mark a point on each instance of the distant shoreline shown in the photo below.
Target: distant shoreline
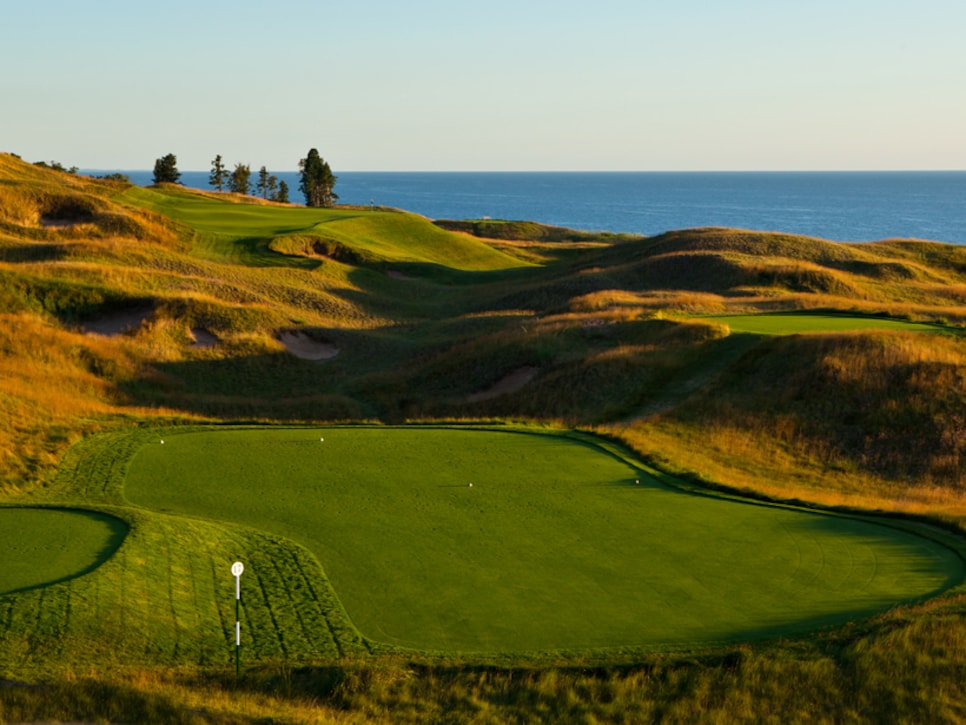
{"x": 846, "y": 206}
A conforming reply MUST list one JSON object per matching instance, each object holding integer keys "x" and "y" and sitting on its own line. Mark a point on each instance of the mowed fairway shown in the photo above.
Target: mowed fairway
{"x": 230, "y": 228}
{"x": 554, "y": 546}
{"x": 794, "y": 323}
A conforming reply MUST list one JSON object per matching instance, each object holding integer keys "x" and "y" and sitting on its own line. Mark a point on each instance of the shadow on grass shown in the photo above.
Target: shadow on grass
{"x": 94, "y": 701}
{"x": 258, "y": 252}
{"x": 115, "y": 531}
{"x": 265, "y": 385}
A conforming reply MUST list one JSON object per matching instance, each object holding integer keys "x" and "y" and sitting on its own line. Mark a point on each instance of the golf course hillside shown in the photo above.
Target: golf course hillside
{"x": 476, "y": 470}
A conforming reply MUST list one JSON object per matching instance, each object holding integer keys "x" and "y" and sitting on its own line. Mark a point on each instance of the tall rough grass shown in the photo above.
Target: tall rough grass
{"x": 872, "y": 421}
{"x": 906, "y": 666}
{"x": 55, "y": 387}
{"x": 889, "y": 404}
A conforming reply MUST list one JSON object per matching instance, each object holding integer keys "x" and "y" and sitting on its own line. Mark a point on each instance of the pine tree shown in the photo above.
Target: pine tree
{"x": 262, "y": 184}
{"x": 272, "y": 185}
{"x": 282, "y": 193}
{"x": 238, "y": 182}
{"x": 317, "y": 180}
{"x": 166, "y": 170}
{"x": 218, "y": 174}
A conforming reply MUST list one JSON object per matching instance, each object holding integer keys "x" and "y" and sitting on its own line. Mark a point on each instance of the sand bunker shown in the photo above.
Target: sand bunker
{"x": 52, "y": 223}
{"x": 202, "y": 338}
{"x": 396, "y": 274}
{"x": 305, "y": 347}
{"x": 118, "y": 323}
{"x": 506, "y": 385}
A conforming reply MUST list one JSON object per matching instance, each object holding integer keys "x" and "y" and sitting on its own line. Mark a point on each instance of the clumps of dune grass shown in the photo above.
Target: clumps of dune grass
{"x": 861, "y": 420}
{"x": 871, "y": 420}
{"x": 902, "y": 666}
{"x": 528, "y": 231}
{"x": 55, "y": 387}
{"x": 888, "y": 403}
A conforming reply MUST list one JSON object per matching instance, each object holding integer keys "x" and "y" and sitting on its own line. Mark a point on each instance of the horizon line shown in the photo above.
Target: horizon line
{"x": 575, "y": 171}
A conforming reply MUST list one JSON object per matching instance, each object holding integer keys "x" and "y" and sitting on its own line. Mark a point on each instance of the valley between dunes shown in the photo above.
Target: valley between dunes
{"x": 788, "y": 370}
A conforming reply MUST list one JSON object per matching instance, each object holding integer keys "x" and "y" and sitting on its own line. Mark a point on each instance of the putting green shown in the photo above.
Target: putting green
{"x": 553, "y": 547}
{"x": 232, "y": 231}
{"x": 40, "y": 546}
{"x": 794, "y": 323}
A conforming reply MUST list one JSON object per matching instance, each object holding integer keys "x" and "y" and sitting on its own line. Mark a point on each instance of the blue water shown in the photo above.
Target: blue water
{"x": 841, "y": 206}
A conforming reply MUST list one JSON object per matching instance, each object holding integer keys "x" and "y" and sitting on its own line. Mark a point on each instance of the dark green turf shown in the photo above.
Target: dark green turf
{"x": 554, "y": 547}
{"x": 41, "y": 546}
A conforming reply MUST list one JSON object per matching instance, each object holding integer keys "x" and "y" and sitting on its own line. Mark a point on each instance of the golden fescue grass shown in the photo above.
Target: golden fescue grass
{"x": 903, "y": 666}
{"x": 741, "y": 460}
{"x": 48, "y": 205}
{"x": 58, "y": 218}
{"x": 165, "y": 697}
{"x": 18, "y": 207}
{"x": 55, "y": 386}
{"x": 945, "y": 303}
{"x": 787, "y": 437}
{"x": 743, "y": 241}
{"x": 610, "y": 334}
{"x": 799, "y": 276}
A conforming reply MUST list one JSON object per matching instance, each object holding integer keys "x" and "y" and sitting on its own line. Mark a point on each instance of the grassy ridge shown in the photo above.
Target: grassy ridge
{"x": 227, "y": 226}
{"x": 869, "y": 419}
{"x": 878, "y": 413}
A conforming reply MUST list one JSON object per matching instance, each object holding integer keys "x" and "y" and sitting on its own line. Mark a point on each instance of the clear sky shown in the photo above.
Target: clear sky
{"x": 497, "y": 85}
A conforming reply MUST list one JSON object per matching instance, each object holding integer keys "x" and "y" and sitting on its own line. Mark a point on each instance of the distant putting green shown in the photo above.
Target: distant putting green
{"x": 798, "y": 323}
{"x": 40, "y": 546}
{"x": 554, "y": 546}
{"x": 240, "y": 231}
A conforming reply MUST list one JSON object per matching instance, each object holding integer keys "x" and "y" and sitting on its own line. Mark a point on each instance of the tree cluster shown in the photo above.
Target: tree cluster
{"x": 316, "y": 180}
{"x": 56, "y": 166}
{"x": 268, "y": 186}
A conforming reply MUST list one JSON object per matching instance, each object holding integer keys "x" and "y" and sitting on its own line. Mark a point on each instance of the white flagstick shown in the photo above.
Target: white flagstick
{"x": 237, "y": 568}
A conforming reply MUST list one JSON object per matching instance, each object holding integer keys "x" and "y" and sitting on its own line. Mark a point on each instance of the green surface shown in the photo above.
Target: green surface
{"x": 41, "y": 546}
{"x": 242, "y": 232}
{"x": 554, "y": 546}
{"x": 797, "y": 323}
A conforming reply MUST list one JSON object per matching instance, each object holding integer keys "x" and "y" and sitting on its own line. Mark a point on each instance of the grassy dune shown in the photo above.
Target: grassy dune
{"x": 228, "y": 227}
{"x": 126, "y": 311}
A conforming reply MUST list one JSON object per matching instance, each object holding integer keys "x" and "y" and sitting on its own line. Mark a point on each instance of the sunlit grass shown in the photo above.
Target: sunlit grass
{"x": 797, "y": 323}
{"x": 863, "y": 419}
{"x": 502, "y": 540}
{"x": 240, "y": 232}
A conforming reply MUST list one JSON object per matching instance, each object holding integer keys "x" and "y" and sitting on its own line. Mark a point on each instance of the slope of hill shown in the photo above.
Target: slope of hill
{"x": 123, "y": 307}
{"x": 414, "y": 321}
